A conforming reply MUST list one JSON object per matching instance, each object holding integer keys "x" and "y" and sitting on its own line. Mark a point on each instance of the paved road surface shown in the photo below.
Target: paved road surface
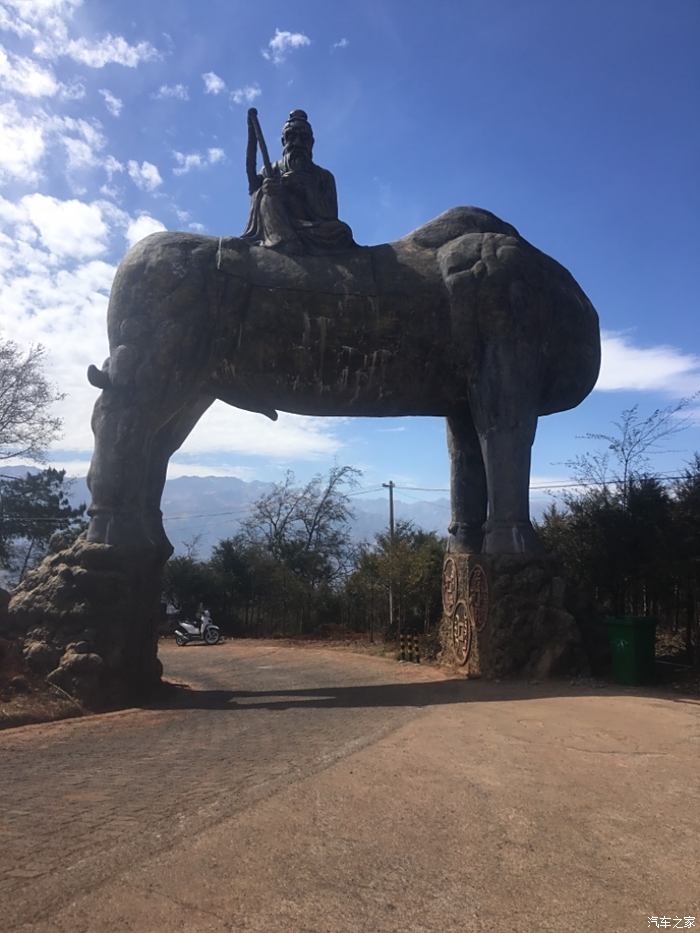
{"x": 303, "y": 790}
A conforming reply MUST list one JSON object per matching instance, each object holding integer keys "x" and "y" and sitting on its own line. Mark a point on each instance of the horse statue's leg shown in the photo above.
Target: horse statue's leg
{"x": 505, "y": 416}
{"x": 468, "y": 486}
{"x": 168, "y": 439}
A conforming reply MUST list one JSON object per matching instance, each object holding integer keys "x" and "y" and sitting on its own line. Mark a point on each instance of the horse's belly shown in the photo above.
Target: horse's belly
{"x": 373, "y": 355}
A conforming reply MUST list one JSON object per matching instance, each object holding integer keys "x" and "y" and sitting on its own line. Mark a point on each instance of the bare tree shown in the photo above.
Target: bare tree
{"x": 630, "y": 448}
{"x": 27, "y": 426}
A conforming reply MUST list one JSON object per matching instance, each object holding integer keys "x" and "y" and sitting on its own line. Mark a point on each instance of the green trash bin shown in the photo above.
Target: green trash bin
{"x": 632, "y": 645}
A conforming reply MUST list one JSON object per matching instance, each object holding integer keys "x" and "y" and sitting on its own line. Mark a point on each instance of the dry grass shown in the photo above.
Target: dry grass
{"x": 25, "y": 697}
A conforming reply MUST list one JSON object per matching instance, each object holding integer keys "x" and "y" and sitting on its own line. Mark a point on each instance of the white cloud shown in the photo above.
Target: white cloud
{"x": 145, "y": 176}
{"x": 112, "y": 103}
{"x": 245, "y": 95}
{"x": 22, "y": 145}
{"x": 47, "y": 22}
{"x": 341, "y": 44}
{"x": 112, "y": 166}
{"x": 213, "y": 84}
{"x": 144, "y": 225}
{"x": 196, "y": 160}
{"x": 110, "y": 50}
{"x": 82, "y": 141}
{"x": 224, "y": 431}
{"x": 37, "y": 18}
{"x": 68, "y": 229}
{"x": 26, "y": 77}
{"x": 26, "y": 141}
{"x": 172, "y": 92}
{"x": 75, "y": 90}
{"x": 282, "y": 43}
{"x": 657, "y": 368}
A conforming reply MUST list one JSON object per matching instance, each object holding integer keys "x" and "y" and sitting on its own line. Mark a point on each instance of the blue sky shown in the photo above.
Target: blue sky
{"x": 576, "y": 122}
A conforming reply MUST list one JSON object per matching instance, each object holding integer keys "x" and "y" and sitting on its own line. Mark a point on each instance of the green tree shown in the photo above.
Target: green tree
{"x": 187, "y": 583}
{"x": 412, "y": 564}
{"x": 686, "y": 529}
{"x": 32, "y": 509}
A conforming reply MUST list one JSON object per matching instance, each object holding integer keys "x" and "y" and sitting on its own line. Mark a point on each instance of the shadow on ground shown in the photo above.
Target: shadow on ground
{"x": 180, "y": 696}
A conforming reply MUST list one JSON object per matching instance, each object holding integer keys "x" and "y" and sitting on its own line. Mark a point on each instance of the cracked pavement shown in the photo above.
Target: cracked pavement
{"x": 298, "y": 789}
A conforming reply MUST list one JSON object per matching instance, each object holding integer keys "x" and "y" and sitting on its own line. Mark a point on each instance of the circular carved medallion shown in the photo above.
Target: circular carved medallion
{"x": 462, "y": 633}
{"x": 478, "y": 591}
{"x": 449, "y": 586}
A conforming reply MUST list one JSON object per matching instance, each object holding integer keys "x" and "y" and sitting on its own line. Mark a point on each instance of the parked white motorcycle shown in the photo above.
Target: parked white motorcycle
{"x": 204, "y": 630}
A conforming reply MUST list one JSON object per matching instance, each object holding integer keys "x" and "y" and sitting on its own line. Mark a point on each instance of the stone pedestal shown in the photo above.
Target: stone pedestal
{"x": 504, "y": 615}
{"x": 86, "y": 619}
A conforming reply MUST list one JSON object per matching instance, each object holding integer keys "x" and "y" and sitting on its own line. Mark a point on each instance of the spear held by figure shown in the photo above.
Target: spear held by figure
{"x": 255, "y": 140}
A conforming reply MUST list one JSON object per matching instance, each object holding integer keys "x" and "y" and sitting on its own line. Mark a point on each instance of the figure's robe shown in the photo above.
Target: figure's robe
{"x": 302, "y": 217}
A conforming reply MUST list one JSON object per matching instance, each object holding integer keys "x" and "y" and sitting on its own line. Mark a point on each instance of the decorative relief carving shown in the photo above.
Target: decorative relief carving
{"x": 478, "y": 591}
{"x": 462, "y": 632}
{"x": 449, "y": 586}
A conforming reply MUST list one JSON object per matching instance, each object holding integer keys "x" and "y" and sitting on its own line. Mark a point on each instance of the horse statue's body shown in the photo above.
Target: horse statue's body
{"x": 462, "y": 318}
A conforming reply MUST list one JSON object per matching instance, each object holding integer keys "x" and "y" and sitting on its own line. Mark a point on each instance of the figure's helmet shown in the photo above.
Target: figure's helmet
{"x": 298, "y": 130}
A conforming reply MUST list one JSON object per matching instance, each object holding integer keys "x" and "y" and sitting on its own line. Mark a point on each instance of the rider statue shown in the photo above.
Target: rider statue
{"x": 294, "y": 205}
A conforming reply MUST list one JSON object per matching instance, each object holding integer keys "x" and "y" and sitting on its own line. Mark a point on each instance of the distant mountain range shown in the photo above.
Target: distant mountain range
{"x": 209, "y": 508}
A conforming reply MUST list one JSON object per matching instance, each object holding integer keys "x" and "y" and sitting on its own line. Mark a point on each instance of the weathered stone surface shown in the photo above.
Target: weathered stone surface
{"x": 505, "y": 615}
{"x": 41, "y": 657}
{"x": 80, "y": 675}
{"x": 94, "y": 639}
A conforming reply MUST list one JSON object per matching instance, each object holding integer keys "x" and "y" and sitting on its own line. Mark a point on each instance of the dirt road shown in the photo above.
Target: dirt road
{"x": 299, "y": 790}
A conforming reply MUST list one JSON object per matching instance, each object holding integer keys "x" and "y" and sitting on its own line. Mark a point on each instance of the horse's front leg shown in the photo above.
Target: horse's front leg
{"x": 125, "y": 428}
{"x": 168, "y": 439}
{"x": 468, "y": 486}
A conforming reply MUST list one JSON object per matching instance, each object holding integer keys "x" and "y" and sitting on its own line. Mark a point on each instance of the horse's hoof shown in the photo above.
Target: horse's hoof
{"x": 465, "y": 538}
{"x": 516, "y": 538}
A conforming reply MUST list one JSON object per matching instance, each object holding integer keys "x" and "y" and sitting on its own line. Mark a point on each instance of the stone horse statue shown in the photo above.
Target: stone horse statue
{"x": 462, "y": 318}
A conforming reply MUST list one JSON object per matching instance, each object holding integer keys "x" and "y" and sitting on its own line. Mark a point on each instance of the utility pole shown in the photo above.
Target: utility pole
{"x": 390, "y": 487}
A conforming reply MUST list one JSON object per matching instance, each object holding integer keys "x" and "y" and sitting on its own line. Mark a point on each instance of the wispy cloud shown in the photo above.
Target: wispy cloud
{"x": 26, "y": 77}
{"x": 282, "y": 43}
{"x": 196, "y": 160}
{"x": 23, "y": 145}
{"x": 27, "y": 139}
{"x": 110, "y": 50}
{"x": 664, "y": 368}
{"x": 172, "y": 92}
{"x": 213, "y": 84}
{"x": 145, "y": 176}
{"x": 112, "y": 103}
{"x": 47, "y": 23}
{"x": 341, "y": 43}
{"x": 245, "y": 95}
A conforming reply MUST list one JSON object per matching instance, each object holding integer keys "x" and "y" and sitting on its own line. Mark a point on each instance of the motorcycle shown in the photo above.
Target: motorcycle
{"x": 187, "y": 633}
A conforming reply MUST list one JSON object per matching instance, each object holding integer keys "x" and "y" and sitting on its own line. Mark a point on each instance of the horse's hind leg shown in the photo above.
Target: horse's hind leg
{"x": 468, "y": 486}
{"x": 505, "y": 416}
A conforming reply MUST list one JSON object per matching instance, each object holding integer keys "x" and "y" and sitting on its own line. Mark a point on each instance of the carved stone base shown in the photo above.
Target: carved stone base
{"x": 504, "y": 615}
{"x": 86, "y": 618}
